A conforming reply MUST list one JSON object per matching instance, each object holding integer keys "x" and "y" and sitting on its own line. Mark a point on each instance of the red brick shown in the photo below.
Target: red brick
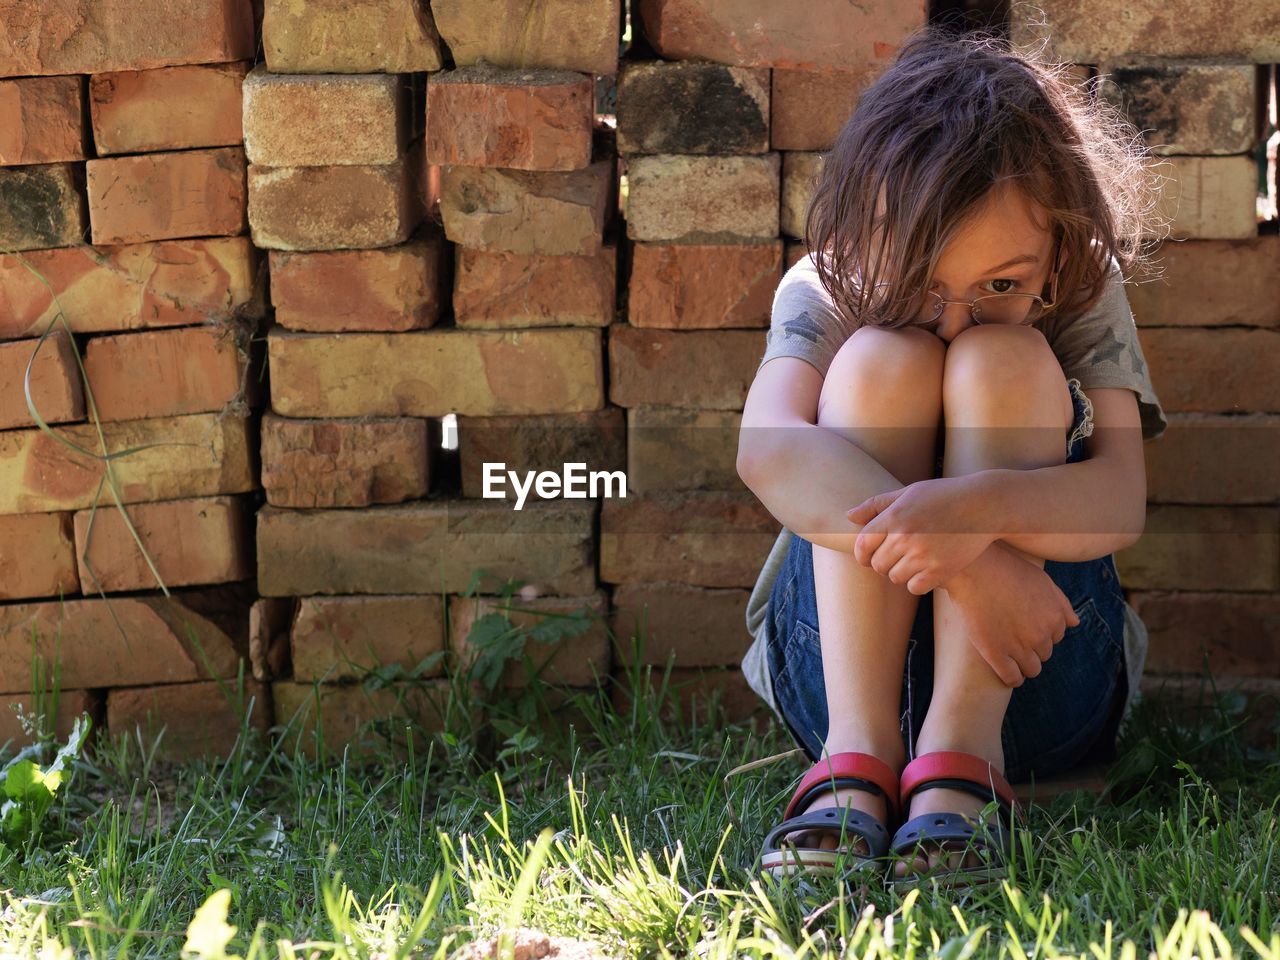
{"x": 349, "y": 36}
{"x": 343, "y": 463}
{"x": 524, "y": 443}
{"x": 673, "y": 449}
{"x": 432, "y": 546}
{"x": 702, "y": 199}
{"x": 328, "y": 719}
{"x": 55, "y": 381}
{"x": 189, "y": 542}
{"x": 97, "y": 36}
{"x": 37, "y": 556}
{"x": 694, "y": 689}
{"x": 193, "y": 456}
{"x": 333, "y": 208}
{"x": 42, "y": 206}
{"x": 797, "y": 250}
{"x": 692, "y": 108}
{"x": 432, "y": 373}
{"x": 1194, "y": 290}
{"x": 1234, "y": 631}
{"x": 525, "y": 119}
{"x": 577, "y": 35}
{"x": 190, "y": 193}
{"x": 41, "y": 120}
{"x": 135, "y": 641}
{"x": 1205, "y": 548}
{"x": 185, "y": 370}
{"x": 298, "y": 120}
{"x": 67, "y": 707}
{"x": 580, "y": 660}
{"x": 709, "y": 369}
{"x": 392, "y": 288}
{"x": 343, "y": 638}
{"x": 700, "y": 627}
{"x": 187, "y": 720}
{"x": 811, "y": 107}
{"x": 135, "y": 111}
{"x": 708, "y": 539}
{"x": 496, "y": 290}
{"x": 1214, "y": 371}
{"x": 699, "y": 286}
{"x": 1203, "y": 458}
{"x": 107, "y": 289}
{"x": 269, "y": 622}
{"x": 762, "y": 33}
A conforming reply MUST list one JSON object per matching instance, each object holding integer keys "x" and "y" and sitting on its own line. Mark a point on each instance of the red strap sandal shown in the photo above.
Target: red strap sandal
{"x": 861, "y": 770}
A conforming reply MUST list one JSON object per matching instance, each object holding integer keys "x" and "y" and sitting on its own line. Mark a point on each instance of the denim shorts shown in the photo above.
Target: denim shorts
{"x": 1067, "y": 715}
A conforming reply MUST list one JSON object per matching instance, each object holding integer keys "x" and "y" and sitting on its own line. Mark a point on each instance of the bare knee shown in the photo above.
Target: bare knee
{"x": 1004, "y": 375}
{"x": 884, "y": 377}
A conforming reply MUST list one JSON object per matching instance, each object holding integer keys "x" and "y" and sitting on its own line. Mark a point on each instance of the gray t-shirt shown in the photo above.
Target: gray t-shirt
{"x": 1098, "y": 348}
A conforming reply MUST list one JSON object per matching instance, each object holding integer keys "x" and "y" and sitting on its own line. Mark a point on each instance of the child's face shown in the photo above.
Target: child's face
{"x": 980, "y": 260}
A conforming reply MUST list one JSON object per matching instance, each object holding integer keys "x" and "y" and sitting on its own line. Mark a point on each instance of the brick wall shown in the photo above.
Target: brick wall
{"x": 289, "y": 239}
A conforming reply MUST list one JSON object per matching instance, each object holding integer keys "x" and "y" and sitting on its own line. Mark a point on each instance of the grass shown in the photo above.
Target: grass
{"x": 618, "y": 832}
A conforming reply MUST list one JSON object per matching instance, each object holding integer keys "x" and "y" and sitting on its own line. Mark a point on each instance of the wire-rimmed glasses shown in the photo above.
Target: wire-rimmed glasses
{"x": 995, "y": 308}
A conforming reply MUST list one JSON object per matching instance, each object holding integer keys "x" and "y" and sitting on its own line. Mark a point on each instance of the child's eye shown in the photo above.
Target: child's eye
{"x": 1004, "y": 285}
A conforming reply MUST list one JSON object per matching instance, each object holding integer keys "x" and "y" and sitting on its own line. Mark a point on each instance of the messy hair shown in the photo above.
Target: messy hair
{"x": 948, "y": 120}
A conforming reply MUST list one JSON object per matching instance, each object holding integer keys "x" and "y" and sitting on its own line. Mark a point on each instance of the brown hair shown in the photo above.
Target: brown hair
{"x": 950, "y": 118}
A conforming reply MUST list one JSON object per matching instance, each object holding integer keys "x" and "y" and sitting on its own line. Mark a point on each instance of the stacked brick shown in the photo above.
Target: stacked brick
{"x": 1205, "y": 576}
{"x": 122, "y": 213}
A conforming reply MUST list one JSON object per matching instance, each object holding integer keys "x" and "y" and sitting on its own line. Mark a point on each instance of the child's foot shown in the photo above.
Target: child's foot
{"x": 858, "y": 799}
{"x": 948, "y": 855}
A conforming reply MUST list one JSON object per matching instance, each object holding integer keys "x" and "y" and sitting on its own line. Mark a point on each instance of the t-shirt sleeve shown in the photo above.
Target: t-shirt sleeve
{"x": 805, "y": 322}
{"x": 1100, "y": 348}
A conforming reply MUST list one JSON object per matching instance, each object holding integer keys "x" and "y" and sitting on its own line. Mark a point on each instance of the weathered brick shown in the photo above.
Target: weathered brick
{"x": 1210, "y": 459}
{"x": 391, "y": 289}
{"x": 41, "y": 120}
{"x": 672, "y": 449}
{"x": 186, "y": 370}
{"x": 97, "y": 36}
{"x": 296, "y": 120}
{"x": 526, "y": 119}
{"x": 1086, "y": 31}
{"x": 690, "y": 286}
{"x": 1250, "y": 701}
{"x": 1204, "y": 548}
{"x": 107, "y": 289}
{"x": 325, "y": 719}
{"x": 811, "y": 107}
{"x": 160, "y": 196}
{"x": 1195, "y": 291}
{"x": 1187, "y": 108}
{"x": 704, "y": 538}
{"x": 694, "y": 689}
{"x": 577, "y": 35}
{"x": 37, "y": 556}
{"x": 42, "y": 206}
{"x": 135, "y": 111}
{"x": 343, "y": 638}
{"x": 699, "y": 108}
{"x": 706, "y": 199}
{"x": 270, "y": 619}
{"x": 800, "y": 172}
{"x": 1234, "y": 631}
{"x": 699, "y": 626}
{"x": 580, "y": 660}
{"x": 55, "y": 381}
{"x": 1210, "y": 197}
{"x": 1214, "y": 371}
{"x": 435, "y": 372}
{"x": 596, "y": 438}
{"x": 349, "y": 36}
{"x": 66, "y": 708}
{"x": 199, "y": 455}
{"x": 187, "y": 720}
{"x": 706, "y": 369}
{"x": 427, "y": 547}
{"x": 495, "y": 290}
{"x": 135, "y": 641}
{"x": 527, "y": 211}
{"x": 332, "y": 208}
{"x": 797, "y": 250}
{"x": 343, "y": 463}
{"x": 760, "y": 33}
{"x": 189, "y": 542}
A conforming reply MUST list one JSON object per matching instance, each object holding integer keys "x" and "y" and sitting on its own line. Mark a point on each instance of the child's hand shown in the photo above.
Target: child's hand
{"x": 920, "y": 535}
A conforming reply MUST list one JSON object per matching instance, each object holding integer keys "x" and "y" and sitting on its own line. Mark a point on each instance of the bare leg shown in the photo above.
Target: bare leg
{"x": 995, "y": 378}
{"x": 884, "y": 393}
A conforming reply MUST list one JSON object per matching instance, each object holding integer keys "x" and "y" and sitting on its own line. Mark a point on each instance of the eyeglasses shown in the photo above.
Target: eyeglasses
{"x": 997, "y": 308}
